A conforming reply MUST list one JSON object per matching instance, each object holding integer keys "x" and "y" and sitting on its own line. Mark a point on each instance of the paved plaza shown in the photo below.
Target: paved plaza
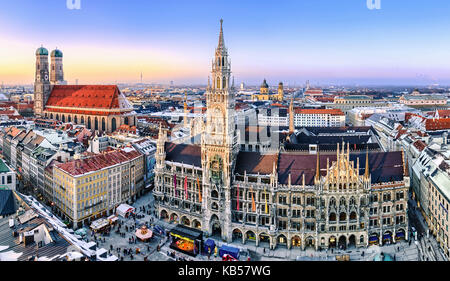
{"x": 400, "y": 251}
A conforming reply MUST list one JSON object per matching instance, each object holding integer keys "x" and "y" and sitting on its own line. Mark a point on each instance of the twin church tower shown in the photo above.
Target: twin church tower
{"x": 45, "y": 79}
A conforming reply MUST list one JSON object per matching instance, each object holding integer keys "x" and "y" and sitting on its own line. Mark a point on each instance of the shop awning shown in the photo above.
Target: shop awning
{"x": 400, "y": 234}
{"x": 373, "y": 238}
{"x": 387, "y": 236}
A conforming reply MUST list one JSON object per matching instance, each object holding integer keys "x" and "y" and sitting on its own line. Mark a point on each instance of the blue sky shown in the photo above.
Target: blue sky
{"x": 325, "y": 41}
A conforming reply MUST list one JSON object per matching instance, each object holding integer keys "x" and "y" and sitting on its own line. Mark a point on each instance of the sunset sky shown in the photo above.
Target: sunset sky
{"x": 325, "y": 41}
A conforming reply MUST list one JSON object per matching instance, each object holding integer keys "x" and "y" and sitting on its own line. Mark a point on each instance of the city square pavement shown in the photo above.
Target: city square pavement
{"x": 401, "y": 251}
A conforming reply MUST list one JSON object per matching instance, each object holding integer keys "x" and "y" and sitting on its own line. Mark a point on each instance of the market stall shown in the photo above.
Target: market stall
{"x": 113, "y": 219}
{"x": 100, "y": 225}
{"x": 186, "y": 240}
{"x": 209, "y": 246}
{"x": 144, "y": 234}
{"x": 228, "y": 250}
{"x": 124, "y": 210}
{"x": 81, "y": 232}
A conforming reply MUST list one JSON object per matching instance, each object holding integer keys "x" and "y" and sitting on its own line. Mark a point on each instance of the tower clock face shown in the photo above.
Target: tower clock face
{"x": 46, "y": 77}
{"x": 38, "y": 77}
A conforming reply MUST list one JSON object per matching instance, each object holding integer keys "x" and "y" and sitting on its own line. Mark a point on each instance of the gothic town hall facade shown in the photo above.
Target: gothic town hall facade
{"x": 281, "y": 199}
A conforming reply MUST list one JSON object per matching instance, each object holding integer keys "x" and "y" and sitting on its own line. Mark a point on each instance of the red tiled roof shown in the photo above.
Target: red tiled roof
{"x": 409, "y": 115}
{"x": 254, "y": 162}
{"x": 82, "y": 97}
{"x": 319, "y": 111}
{"x": 184, "y": 153}
{"x": 325, "y": 99}
{"x": 444, "y": 113}
{"x": 437, "y": 124}
{"x": 97, "y": 162}
{"x": 421, "y": 134}
{"x": 314, "y": 92}
{"x": 193, "y": 109}
{"x": 400, "y": 133}
{"x": 279, "y": 105}
{"x": 124, "y": 128}
{"x": 420, "y": 145}
{"x": 14, "y": 131}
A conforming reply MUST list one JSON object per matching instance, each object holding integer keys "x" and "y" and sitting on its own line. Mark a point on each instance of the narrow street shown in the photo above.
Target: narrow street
{"x": 427, "y": 244}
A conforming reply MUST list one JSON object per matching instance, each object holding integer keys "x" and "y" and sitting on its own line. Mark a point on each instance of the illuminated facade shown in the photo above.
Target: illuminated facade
{"x": 277, "y": 199}
{"x": 99, "y": 107}
{"x": 89, "y": 188}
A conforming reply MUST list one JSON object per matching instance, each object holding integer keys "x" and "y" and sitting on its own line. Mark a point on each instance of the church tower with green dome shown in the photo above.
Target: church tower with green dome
{"x": 56, "y": 71}
{"x": 42, "y": 85}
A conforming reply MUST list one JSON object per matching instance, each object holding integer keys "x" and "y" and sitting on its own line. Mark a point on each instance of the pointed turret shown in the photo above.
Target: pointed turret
{"x": 338, "y": 162}
{"x": 291, "y": 116}
{"x": 405, "y": 165}
{"x": 366, "y": 171}
{"x": 185, "y": 117}
{"x": 318, "y": 167}
{"x": 221, "y": 40}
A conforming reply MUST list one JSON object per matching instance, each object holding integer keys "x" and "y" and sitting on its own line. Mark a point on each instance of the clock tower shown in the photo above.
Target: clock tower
{"x": 41, "y": 83}
{"x": 219, "y": 145}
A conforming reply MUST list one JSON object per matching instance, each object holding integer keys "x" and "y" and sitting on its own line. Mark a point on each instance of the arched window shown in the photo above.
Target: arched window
{"x": 332, "y": 217}
{"x": 96, "y": 123}
{"x": 342, "y": 201}
{"x": 63, "y": 118}
{"x": 57, "y": 117}
{"x": 362, "y": 201}
{"x": 352, "y": 201}
{"x": 342, "y": 216}
{"x": 89, "y": 122}
{"x": 103, "y": 124}
{"x": 332, "y": 202}
{"x": 214, "y": 194}
{"x": 126, "y": 120}
{"x": 69, "y": 119}
{"x": 113, "y": 124}
{"x": 224, "y": 82}
{"x": 75, "y": 119}
{"x": 51, "y": 115}
{"x": 82, "y": 120}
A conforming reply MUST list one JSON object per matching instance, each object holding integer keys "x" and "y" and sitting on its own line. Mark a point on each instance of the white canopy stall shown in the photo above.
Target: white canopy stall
{"x": 124, "y": 210}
